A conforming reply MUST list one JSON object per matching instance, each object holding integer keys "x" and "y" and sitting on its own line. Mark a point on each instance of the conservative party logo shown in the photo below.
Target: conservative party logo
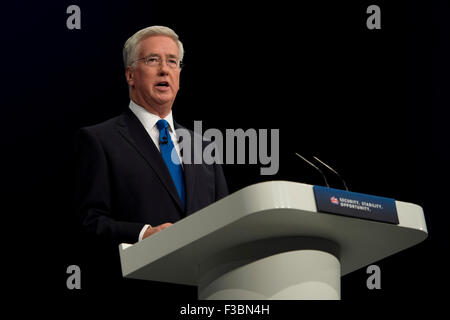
{"x": 357, "y": 205}
{"x": 334, "y": 200}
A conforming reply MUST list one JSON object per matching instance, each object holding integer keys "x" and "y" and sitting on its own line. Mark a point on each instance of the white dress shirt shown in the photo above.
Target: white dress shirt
{"x": 149, "y": 121}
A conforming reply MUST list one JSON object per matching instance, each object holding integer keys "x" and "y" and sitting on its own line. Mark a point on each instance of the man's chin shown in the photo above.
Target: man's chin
{"x": 164, "y": 98}
{"x": 161, "y": 101}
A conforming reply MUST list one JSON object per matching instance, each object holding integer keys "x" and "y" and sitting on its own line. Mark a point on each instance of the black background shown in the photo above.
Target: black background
{"x": 370, "y": 102}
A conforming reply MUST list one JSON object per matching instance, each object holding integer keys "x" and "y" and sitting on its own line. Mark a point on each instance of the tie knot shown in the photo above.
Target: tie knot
{"x": 162, "y": 124}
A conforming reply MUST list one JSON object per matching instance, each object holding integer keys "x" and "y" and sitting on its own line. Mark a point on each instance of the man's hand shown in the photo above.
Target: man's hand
{"x": 152, "y": 230}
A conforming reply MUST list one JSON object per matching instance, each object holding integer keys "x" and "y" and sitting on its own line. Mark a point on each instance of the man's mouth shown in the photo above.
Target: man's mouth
{"x": 162, "y": 84}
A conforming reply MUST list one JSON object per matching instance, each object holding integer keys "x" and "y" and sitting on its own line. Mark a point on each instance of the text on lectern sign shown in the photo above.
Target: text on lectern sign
{"x": 353, "y": 204}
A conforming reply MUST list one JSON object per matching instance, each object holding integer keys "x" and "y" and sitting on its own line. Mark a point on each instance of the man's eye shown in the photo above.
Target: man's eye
{"x": 152, "y": 60}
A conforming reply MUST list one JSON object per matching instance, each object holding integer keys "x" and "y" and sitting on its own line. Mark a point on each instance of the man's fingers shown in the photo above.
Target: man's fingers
{"x": 165, "y": 225}
{"x": 162, "y": 226}
{"x": 153, "y": 230}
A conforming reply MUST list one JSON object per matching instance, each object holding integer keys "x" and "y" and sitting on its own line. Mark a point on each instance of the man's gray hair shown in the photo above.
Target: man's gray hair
{"x": 130, "y": 49}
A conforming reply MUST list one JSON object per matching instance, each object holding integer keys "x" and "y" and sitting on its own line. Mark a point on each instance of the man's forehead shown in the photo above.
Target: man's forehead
{"x": 159, "y": 42}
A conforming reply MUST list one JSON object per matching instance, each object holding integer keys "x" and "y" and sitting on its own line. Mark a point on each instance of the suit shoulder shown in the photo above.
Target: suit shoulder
{"x": 105, "y": 128}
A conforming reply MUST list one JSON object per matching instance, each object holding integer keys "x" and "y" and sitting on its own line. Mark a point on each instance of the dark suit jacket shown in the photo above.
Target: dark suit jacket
{"x": 124, "y": 182}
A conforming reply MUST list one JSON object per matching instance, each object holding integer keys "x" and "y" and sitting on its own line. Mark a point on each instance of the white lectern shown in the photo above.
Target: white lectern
{"x": 268, "y": 241}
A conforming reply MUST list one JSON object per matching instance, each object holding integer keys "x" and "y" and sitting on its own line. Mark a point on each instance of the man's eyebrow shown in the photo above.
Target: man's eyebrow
{"x": 157, "y": 55}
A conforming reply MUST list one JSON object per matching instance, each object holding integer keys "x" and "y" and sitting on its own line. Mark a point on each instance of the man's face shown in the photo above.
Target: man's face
{"x": 155, "y": 85}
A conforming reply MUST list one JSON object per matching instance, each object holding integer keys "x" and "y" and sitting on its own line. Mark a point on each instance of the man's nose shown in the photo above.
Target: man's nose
{"x": 163, "y": 68}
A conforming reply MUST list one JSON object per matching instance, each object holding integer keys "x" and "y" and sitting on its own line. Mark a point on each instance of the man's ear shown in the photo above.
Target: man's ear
{"x": 129, "y": 76}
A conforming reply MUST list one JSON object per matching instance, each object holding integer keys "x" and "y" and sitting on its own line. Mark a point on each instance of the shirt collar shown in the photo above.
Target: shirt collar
{"x": 149, "y": 119}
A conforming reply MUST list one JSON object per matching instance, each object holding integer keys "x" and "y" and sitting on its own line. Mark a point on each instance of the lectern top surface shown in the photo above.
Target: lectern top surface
{"x": 259, "y": 213}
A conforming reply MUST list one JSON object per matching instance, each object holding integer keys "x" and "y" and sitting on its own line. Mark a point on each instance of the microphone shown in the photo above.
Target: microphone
{"x": 332, "y": 170}
{"x": 315, "y": 167}
{"x": 163, "y": 140}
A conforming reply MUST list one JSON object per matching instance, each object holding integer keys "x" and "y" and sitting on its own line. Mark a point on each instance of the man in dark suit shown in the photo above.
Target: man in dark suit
{"x": 128, "y": 187}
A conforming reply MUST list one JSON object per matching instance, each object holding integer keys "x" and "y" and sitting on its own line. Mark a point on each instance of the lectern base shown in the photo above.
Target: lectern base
{"x": 292, "y": 275}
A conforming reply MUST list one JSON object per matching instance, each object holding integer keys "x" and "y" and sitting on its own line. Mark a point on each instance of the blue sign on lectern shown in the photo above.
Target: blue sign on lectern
{"x": 357, "y": 205}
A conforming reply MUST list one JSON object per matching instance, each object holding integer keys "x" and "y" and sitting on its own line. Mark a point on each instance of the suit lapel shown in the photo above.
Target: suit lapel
{"x": 189, "y": 174}
{"x": 134, "y": 132}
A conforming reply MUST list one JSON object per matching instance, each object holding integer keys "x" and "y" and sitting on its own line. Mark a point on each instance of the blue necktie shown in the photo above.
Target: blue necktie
{"x": 166, "y": 146}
